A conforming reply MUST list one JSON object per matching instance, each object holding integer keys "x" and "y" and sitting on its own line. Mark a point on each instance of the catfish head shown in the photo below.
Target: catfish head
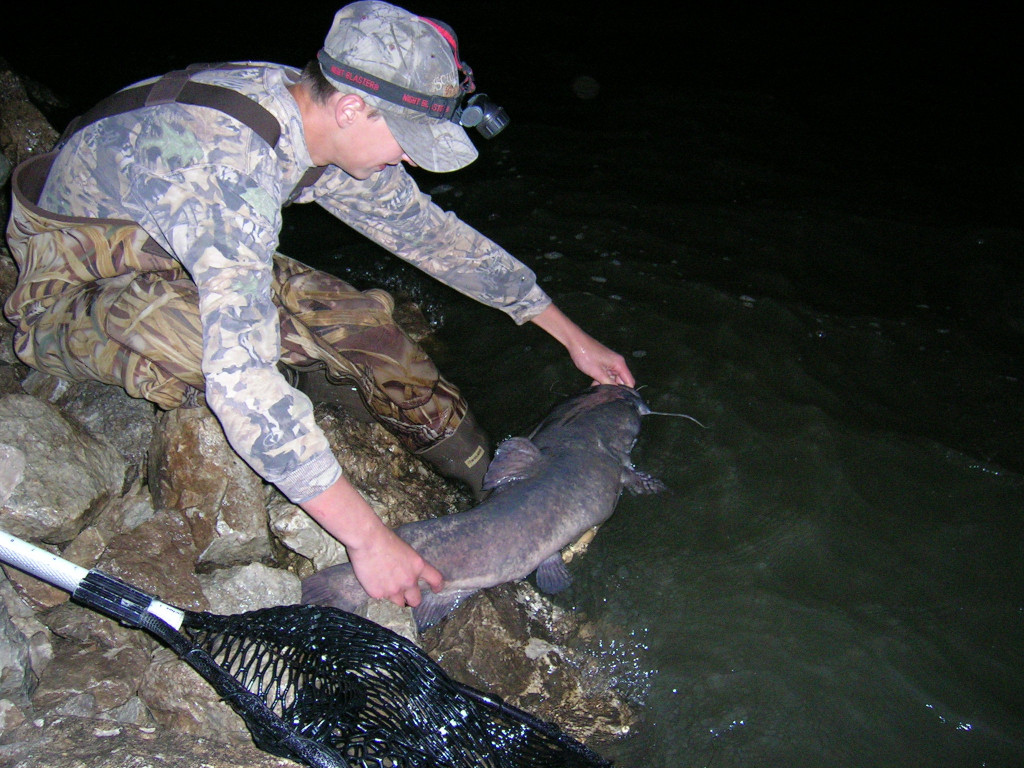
{"x": 606, "y": 416}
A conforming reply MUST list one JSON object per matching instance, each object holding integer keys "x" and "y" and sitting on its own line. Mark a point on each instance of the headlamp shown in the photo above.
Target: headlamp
{"x": 483, "y": 114}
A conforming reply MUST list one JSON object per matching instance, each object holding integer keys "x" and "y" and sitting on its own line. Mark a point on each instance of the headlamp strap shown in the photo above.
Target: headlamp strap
{"x": 439, "y": 107}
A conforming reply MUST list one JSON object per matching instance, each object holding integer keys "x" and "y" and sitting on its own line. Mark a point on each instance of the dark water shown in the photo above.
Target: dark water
{"x": 803, "y": 231}
{"x": 835, "y": 577}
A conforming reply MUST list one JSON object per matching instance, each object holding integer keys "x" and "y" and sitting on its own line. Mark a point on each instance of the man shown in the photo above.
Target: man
{"x": 147, "y": 256}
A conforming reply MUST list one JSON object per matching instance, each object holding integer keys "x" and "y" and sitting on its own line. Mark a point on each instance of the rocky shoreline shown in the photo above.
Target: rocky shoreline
{"x": 159, "y": 500}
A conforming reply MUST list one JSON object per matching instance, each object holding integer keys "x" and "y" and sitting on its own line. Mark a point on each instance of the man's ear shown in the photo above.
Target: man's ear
{"x": 347, "y": 109}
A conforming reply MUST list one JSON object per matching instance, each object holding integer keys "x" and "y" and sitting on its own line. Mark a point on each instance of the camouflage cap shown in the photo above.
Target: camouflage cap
{"x": 405, "y": 68}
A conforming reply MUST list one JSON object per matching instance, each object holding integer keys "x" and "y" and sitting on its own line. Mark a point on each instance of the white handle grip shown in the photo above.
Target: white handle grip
{"x": 66, "y": 575}
{"x": 40, "y": 563}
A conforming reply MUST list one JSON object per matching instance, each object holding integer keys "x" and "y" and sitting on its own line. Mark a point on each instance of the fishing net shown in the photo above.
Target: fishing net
{"x": 338, "y": 691}
{"x": 322, "y": 686}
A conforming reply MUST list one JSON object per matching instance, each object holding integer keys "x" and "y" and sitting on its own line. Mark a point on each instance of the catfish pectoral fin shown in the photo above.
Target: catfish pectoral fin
{"x": 514, "y": 459}
{"x": 638, "y": 482}
{"x": 552, "y": 575}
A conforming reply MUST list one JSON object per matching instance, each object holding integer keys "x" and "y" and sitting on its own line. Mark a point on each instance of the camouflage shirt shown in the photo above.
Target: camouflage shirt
{"x": 210, "y": 191}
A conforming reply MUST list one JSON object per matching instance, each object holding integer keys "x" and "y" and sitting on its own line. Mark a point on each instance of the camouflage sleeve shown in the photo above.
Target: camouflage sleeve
{"x": 392, "y": 211}
{"x": 223, "y": 226}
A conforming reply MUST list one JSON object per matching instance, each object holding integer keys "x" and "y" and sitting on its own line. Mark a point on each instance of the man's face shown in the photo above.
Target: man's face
{"x": 367, "y": 147}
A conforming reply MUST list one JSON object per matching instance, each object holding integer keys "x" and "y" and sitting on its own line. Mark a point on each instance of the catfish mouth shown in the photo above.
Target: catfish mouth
{"x": 603, "y": 394}
{"x": 622, "y": 392}
{"x": 625, "y": 393}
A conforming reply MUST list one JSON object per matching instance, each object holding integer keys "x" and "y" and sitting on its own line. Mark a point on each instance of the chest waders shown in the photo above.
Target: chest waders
{"x": 99, "y": 299}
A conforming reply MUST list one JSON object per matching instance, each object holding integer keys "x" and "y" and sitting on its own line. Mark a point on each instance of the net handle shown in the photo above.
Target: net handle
{"x": 40, "y": 563}
{"x": 90, "y": 587}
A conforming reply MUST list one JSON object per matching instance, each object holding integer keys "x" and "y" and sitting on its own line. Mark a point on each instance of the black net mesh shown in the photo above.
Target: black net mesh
{"x": 368, "y": 695}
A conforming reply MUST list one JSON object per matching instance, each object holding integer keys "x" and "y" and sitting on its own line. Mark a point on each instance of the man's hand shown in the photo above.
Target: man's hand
{"x": 385, "y": 566}
{"x": 603, "y": 365}
{"x": 391, "y": 569}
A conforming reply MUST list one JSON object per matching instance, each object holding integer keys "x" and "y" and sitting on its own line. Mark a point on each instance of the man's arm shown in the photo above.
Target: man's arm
{"x": 592, "y": 357}
{"x": 391, "y": 210}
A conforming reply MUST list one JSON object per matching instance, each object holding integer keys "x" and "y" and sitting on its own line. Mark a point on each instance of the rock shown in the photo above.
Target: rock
{"x": 398, "y": 620}
{"x": 12, "y": 470}
{"x": 26, "y": 621}
{"x": 86, "y": 548}
{"x": 249, "y": 588}
{"x": 302, "y": 535}
{"x": 158, "y": 557}
{"x": 90, "y": 680}
{"x": 11, "y": 716}
{"x": 111, "y": 415}
{"x": 121, "y": 515}
{"x": 24, "y": 131}
{"x": 68, "y": 475}
{"x": 8, "y": 279}
{"x": 16, "y": 676}
{"x": 11, "y": 372}
{"x": 86, "y": 627}
{"x": 512, "y": 642}
{"x": 5, "y": 173}
{"x": 195, "y": 473}
{"x": 76, "y": 742}
{"x": 45, "y": 387}
{"x": 181, "y": 700}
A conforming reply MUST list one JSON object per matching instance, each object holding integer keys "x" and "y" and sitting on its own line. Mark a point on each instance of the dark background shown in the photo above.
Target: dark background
{"x": 903, "y": 111}
{"x": 935, "y": 81}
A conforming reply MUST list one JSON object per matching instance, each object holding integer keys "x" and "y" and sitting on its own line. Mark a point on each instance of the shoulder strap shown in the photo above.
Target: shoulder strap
{"x": 309, "y": 178}
{"x": 178, "y": 87}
